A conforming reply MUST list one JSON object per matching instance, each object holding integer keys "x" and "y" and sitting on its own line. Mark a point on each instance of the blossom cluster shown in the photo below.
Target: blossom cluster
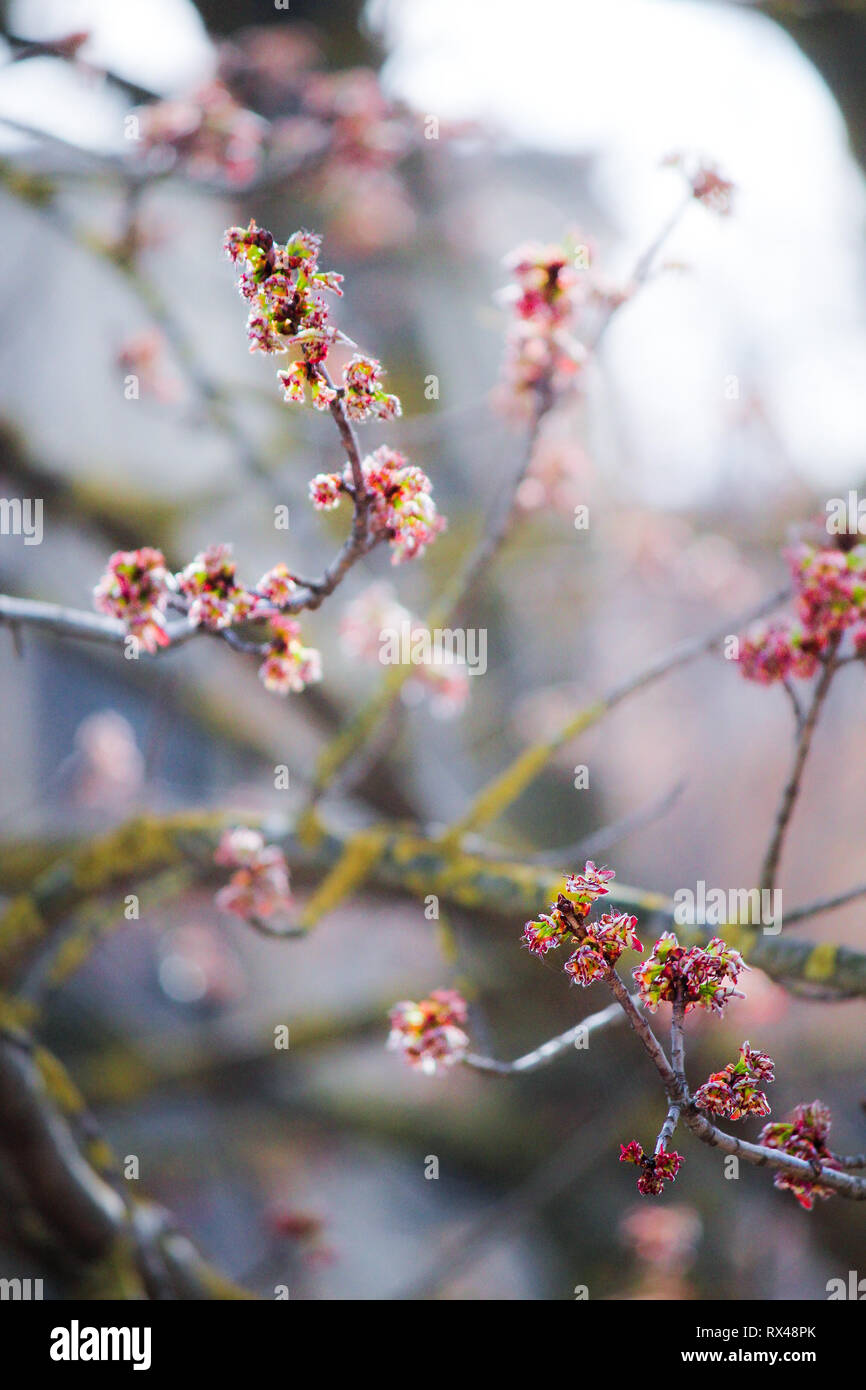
{"x": 599, "y": 944}
{"x": 137, "y": 588}
{"x": 401, "y": 507}
{"x": 542, "y": 353}
{"x": 803, "y": 1136}
{"x": 286, "y": 290}
{"x": 550, "y": 929}
{"x": 656, "y": 1169}
{"x": 258, "y": 890}
{"x": 344, "y": 138}
{"x": 830, "y": 589}
{"x": 430, "y": 1034}
{"x": 208, "y": 132}
{"x": 289, "y": 665}
{"x": 703, "y": 977}
{"x": 734, "y": 1092}
{"x": 288, "y": 309}
{"x": 216, "y": 599}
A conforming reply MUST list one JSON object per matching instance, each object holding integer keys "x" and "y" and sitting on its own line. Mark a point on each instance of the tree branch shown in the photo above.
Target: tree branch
{"x": 808, "y": 724}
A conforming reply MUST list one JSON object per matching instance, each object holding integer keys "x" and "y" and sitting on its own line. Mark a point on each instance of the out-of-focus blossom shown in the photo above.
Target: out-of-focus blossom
{"x": 259, "y": 887}
{"x": 804, "y": 1136}
{"x": 663, "y": 1237}
{"x": 376, "y": 613}
{"x": 542, "y": 354}
{"x": 430, "y": 1034}
{"x": 209, "y": 582}
{"x": 556, "y": 478}
{"x": 135, "y": 589}
{"x": 289, "y": 665}
{"x": 197, "y": 966}
{"x": 112, "y": 767}
{"x": 143, "y": 356}
{"x": 774, "y": 651}
{"x": 208, "y": 134}
{"x": 267, "y": 65}
{"x": 287, "y": 1222}
{"x": 830, "y": 588}
{"x": 707, "y": 184}
{"x": 703, "y": 977}
{"x": 277, "y": 585}
{"x": 734, "y": 1093}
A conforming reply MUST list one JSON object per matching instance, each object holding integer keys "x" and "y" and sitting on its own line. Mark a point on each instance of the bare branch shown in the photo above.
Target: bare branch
{"x": 550, "y": 1050}
{"x": 770, "y": 868}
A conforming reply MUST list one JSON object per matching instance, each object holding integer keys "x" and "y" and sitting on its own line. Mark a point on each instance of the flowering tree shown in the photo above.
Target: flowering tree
{"x": 347, "y": 141}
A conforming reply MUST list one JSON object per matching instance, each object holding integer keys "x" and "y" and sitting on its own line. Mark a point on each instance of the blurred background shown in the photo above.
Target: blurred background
{"x": 723, "y": 407}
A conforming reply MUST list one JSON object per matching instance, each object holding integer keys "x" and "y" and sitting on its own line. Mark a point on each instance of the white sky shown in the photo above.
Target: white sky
{"x": 779, "y": 289}
{"x": 777, "y": 293}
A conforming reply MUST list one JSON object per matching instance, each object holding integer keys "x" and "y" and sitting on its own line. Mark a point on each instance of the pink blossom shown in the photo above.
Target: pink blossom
{"x": 363, "y": 394}
{"x": 277, "y": 585}
{"x": 259, "y": 887}
{"x": 704, "y": 977}
{"x": 289, "y": 665}
{"x": 135, "y": 589}
{"x": 430, "y": 1034}
{"x": 209, "y": 581}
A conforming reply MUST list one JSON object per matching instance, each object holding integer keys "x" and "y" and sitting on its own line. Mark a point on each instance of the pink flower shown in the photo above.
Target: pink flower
{"x": 733, "y": 1093}
{"x": 300, "y": 376}
{"x": 277, "y": 585}
{"x": 135, "y": 589}
{"x": 363, "y": 394}
{"x": 430, "y": 1034}
{"x": 831, "y": 588}
{"x": 325, "y": 491}
{"x": 541, "y": 351}
{"x": 289, "y": 665}
{"x": 592, "y": 883}
{"x": 217, "y": 600}
{"x": 804, "y": 1136}
{"x": 208, "y": 133}
{"x": 707, "y": 184}
{"x": 704, "y": 977}
{"x": 656, "y": 1169}
{"x": 286, "y": 291}
{"x": 401, "y": 508}
{"x": 601, "y": 945}
{"x": 259, "y": 887}
{"x": 598, "y": 945}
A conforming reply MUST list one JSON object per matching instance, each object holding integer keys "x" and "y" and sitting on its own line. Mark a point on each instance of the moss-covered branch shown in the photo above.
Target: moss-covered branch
{"x": 390, "y": 858}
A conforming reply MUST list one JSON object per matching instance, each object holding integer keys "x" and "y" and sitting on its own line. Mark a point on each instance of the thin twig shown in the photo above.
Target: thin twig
{"x": 814, "y": 909}
{"x": 550, "y": 1050}
{"x": 757, "y": 1154}
{"x": 791, "y": 791}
